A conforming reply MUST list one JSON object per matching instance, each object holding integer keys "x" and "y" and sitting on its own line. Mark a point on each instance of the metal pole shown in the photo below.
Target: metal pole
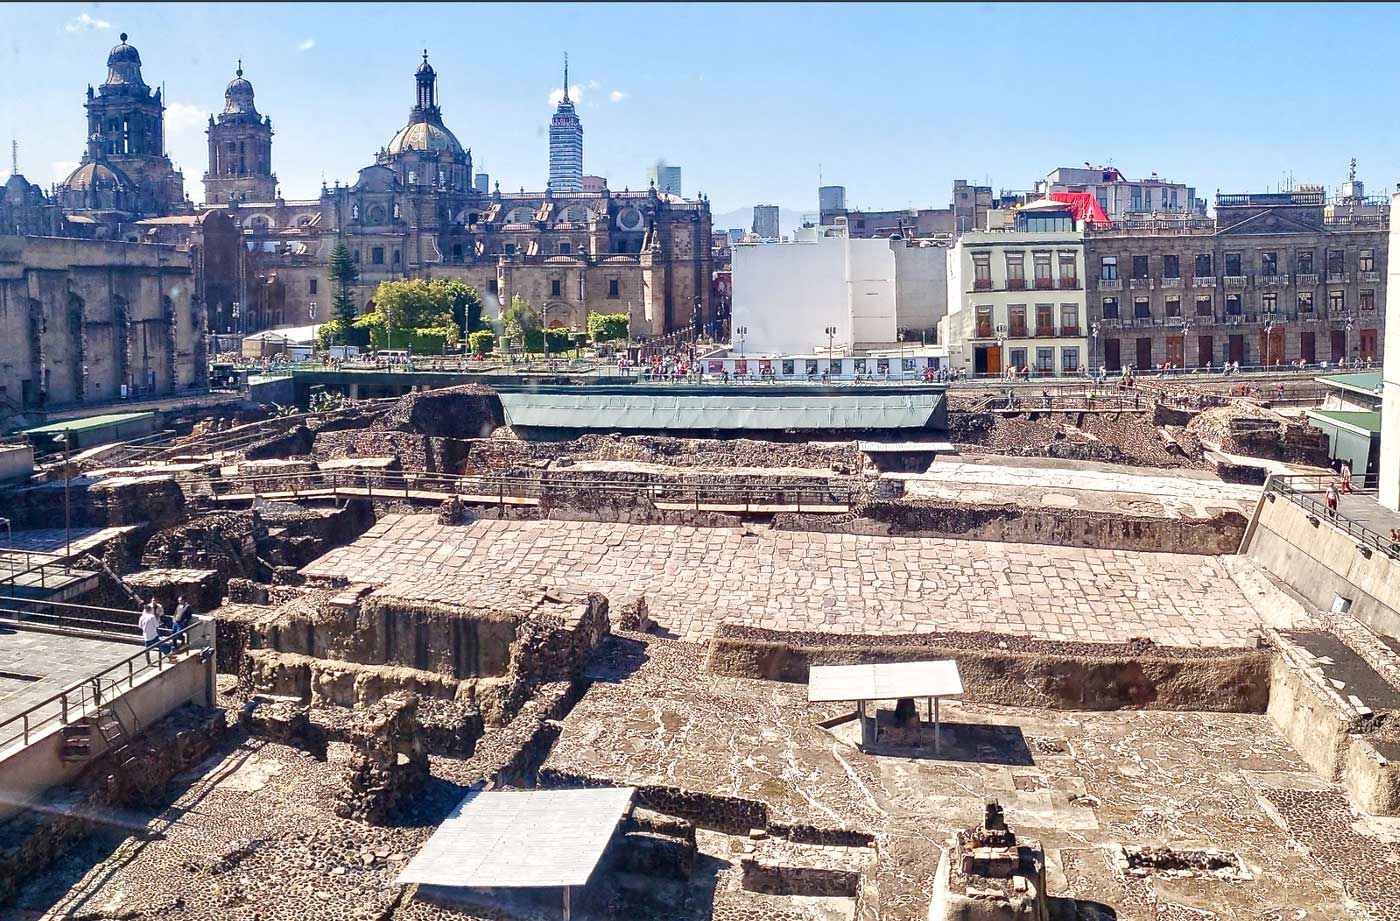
{"x": 936, "y": 739}
{"x": 67, "y": 519}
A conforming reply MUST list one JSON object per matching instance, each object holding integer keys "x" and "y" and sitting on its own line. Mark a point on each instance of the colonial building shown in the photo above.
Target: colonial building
{"x": 1016, "y": 297}
{"x": 240, "y": 148}
{"x": 414, "y": 213}
{"x": 125, "y": 172}
{"x": 1270, "y": 280}
{"x": 90, "y": 321}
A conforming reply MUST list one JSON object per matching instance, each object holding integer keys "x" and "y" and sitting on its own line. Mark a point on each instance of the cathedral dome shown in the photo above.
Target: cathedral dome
{"x": 124, "y": 65}
{"x": 238, "y": 97}
{"x": 96, "y": 177}
{"x": 424, "y": 136}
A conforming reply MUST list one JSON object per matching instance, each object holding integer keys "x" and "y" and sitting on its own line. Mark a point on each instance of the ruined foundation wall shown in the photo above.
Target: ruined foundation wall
{"x": 1009, "y": 670}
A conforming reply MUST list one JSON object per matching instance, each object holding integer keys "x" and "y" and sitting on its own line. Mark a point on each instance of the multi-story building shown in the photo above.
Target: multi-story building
{"x": 1120, "y": 197}
{"x": 831, "y": 202}
{"x": 481, "y": 182}
{"x": 1016, "y": 297}
{"x": 666, "y": 178}
{"x": 970, "y": 206}
{"x": 565, "y": 143}
{"x": 765, "y": 222}
{"x": 590, "y": 184}
{"x": 1270, "y": 280}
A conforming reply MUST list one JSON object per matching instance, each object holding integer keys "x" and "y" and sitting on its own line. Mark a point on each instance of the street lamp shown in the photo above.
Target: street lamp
{"x": 1268, "y": 328}
{"x": 830, "y": 340}
{"x": 67, "y": 517}
{"x": 740, "y": 333}
{"x": 1094, "y": 347}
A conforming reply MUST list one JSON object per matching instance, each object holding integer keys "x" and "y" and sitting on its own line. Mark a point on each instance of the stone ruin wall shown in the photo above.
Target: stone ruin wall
{"x": 1017, "y": 671}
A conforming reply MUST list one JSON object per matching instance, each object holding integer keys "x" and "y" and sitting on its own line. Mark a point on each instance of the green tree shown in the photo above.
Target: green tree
{"x": 607, "y": 327}
{"x": 520, "y": 320}
{"x": 344, "y": 274}
{"x": 463, "y": 301}
{"x": 481, "y": 342}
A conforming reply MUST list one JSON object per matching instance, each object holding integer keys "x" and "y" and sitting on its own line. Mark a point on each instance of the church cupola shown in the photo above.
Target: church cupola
{"x": 240, "y": 149}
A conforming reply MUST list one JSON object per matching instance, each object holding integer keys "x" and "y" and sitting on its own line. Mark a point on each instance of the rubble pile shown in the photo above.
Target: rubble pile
{"x": 468, "y": 411}
{"x": 1118, "y": 438}
{"x": 1243, "y": 428}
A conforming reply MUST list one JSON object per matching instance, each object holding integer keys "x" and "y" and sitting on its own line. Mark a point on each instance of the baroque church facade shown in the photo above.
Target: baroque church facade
{"x": 262, "y": 261}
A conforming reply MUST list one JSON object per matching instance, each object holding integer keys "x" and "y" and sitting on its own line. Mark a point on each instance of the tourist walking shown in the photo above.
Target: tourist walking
{"x": 1346, "y": 477}
{"x": 1332, "y": 499}
{"x": 149, "y": 622}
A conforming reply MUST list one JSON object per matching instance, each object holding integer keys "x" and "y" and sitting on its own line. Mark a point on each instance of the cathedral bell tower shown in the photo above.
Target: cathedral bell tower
{"x": 240, "y": 149}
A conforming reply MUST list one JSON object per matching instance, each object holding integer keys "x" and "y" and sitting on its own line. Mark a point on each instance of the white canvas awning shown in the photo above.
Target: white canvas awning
{"x": 521, "y": 839}
{"x": 884, "y": 681}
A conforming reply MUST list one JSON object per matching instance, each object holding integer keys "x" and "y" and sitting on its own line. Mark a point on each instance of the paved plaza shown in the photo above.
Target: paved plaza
{"x": 36, "y": 665}
{"x": 695, "y": 578}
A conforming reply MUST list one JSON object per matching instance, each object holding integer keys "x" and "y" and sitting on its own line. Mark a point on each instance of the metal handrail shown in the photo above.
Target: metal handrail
{"x": 392, "y": 483}
{"x": 1287, "y": 486}
{"x": 73, "y": 702}
{"x": 92, "y": 618}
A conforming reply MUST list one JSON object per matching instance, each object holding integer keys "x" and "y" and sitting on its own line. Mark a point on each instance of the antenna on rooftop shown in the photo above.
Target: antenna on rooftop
{"x": 14, "y": 157}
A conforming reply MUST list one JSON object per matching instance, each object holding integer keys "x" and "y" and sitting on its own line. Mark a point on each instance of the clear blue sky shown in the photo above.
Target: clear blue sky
{"x": 893, "y": 101}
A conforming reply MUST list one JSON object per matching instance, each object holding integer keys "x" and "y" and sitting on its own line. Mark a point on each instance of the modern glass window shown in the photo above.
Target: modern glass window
{"x": 1110, "y": 308}
{"x": 1108, "y": 268}
{"x": 1171, "y": 266}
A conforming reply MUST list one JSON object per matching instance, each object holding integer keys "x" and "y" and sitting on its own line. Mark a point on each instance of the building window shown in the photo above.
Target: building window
{"x": 1204, "y": 307}
{"x": 1171, "y": 266}
{"x": 491, "y": 286}
{"x": 612, "y": 288}
{"x": 1045, "y": 320}
{"x": 376, "y": 255}
{"x": 1108, "y": 268}
{"x": 1016, "y": 320}
{"x": 510, "y": 249}
{"x": 1069, "y": 319}
{"x": 1069, "y": 271}
{"x": 1268, "y": 303}
{"x": 555, "y": 287}
{"x": 1204, "y": 269}
{"x": 1018, "y": 358}
{"x": 1305, "y": 262}
{"x": 1305, "y": 302}
{"x": 312, "y": 287}
{"x": 1368, "y": 299}
{"x": 984, "y": 321}
{"x": 397, "y": 257}
{"x": 1337, "y": 302}
{"x": 1367, "y": 262}
{"x": 1069, "y": 360}
{"x": 1174, "y": 306}
{"x": 1336, "y": 261}
{"x": 1045, "y": 360}
{"x": 1139, "y": 266}
{"x": 982, "y": 271}
{"x": 1232, "y": 265}
{"x": 1043, "y": 278}
{"x": 1234, "y": 306}
{"x": 565, "y": 247}
{"x": 1110, "y": 308}
{"x": 356, "y": 254}
{"x": 1142, "y": 308}
{"x": 1015, "y": 271}
{"x": 1268, "y": 264}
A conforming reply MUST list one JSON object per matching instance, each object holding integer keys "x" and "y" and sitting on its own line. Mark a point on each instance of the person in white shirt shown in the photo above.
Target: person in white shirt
{"x": 149, "y": 623}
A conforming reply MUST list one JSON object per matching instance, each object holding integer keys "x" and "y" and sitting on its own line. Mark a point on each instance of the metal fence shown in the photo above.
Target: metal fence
{"x": 1308, "y": 491}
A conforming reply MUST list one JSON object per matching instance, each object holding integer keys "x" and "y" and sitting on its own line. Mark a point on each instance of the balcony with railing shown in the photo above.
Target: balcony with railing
{"x": 1369, "y": 278}
{"x": 982, "y": 284}
{"x": 1271, "y": 281}
{"x": 1236, "y": 281}
{"x": 1203, "y": 281}
{"x": 1306, "y": 279}
{"x": 1338, "y": 278}
{"x": 1172, "y": 282}
{"x": 1070, "y": 331}
{"x": 1016, "y": 284}
{"x": 1069, "y": 282}
{"x": 1139, "y": 284}
{"x": 1110, "y": 284}
{"x": 1044, "y": 284}
{"x": 1357, "y": 221}
{"x": 1153, "y": 227}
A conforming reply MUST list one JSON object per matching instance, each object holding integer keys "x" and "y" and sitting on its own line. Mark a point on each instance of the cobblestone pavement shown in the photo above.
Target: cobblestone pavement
{"x": 695, "y": 578}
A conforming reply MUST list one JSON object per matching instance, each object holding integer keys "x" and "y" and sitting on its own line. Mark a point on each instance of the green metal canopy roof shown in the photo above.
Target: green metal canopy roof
{"x": 756, "y": 411}
{"x": 87, "y": 423}
{"x": 1360, "y": 421}
{"x": 1367, "y": 382}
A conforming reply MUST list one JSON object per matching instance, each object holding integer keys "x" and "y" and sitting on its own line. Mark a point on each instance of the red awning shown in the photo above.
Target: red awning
{"x": 1086, "y": 207}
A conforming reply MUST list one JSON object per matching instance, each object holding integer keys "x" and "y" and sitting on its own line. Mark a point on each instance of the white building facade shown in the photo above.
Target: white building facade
{"x": 786, "y": 295}
{"x": 1016, "y": 299}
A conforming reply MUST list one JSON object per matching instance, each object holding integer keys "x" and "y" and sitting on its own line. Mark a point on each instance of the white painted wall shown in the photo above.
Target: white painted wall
{"x": 870, "y": 288}
{"x": 921, "y": 285}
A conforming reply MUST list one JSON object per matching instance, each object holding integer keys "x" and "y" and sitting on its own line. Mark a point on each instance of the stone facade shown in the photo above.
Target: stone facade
{"x": 84, "y": 318}
{"x": 1269, "y": 280}
{"x": 240, "y": 148}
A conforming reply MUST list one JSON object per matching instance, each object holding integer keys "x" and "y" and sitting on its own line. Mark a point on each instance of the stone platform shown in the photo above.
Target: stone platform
{"x": 695, "y": 578}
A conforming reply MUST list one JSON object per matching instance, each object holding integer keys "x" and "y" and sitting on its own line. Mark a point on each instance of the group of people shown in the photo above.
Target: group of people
{"x": 162, "y": 631}
{"x": 1336, "y": 488}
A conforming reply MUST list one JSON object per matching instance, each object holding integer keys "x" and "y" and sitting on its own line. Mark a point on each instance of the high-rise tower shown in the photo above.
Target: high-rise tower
{"x": 240, "y": 149}
{"x": 565, "y": 144}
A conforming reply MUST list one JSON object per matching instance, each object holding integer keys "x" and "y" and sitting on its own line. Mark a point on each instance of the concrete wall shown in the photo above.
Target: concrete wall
{"x": 25, "y": 773}
{"x": 870, "y": 290}
{"x": 1320, "y": 561}
{"x": 921, "y": 292}
{"x": 16, "y": 462}
{"x": 786, "y": 294}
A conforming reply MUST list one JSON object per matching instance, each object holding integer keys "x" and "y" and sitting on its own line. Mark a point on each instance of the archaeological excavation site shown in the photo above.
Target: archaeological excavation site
{"x": 1066, "y": 657}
